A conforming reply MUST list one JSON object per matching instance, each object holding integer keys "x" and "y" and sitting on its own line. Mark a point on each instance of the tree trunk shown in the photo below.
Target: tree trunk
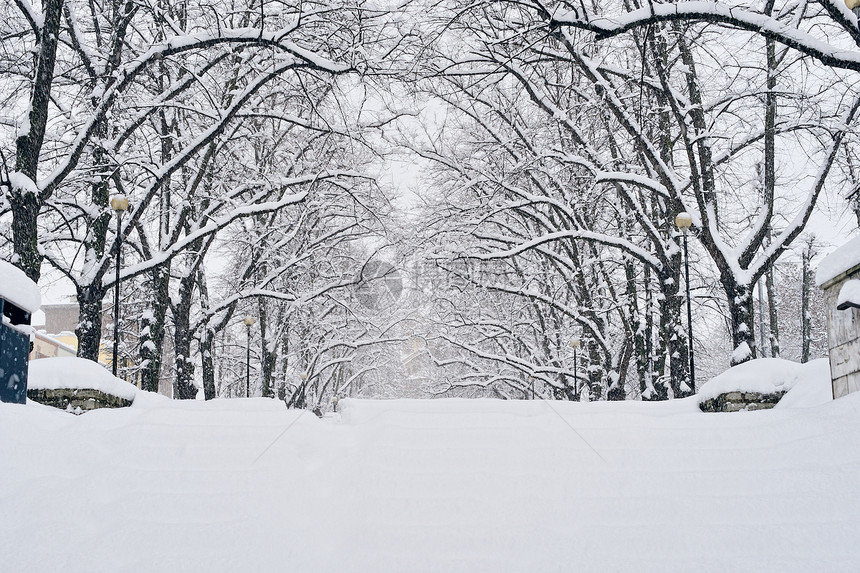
{"x": 595, "y": 372}
{"x": 184, "y": 388}
{"x": 183, "y": 385}
{"x": 267, "y": 351}
{"x": 770, "y": 177}
{"x": 661, "y": 359}
{"x": 762, "y": 336}
{"x": 285, "y": 363}
{"x": 651, "y": 310}
{"x": 25, "y": 240}
{"x": 91, "y": 295}
{"x": 805, "y": 286}
{"x": 154, "y": 322}
{"x": 741, "y": 319}
{"x": 207, "y": 343}
{"x": 153, "y": 325}
{"x": 89, "y": 329}
{"x": 773, "y": 317}
{"x": 23, "y": 197}
{"x": 617, "y": 376}
{"x": 672, "y": 349}
{"x": 208, "y": 363}
{"x": 640, "y": 350}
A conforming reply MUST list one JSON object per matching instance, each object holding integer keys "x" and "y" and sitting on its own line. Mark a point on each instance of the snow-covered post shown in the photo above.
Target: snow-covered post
{"x": 19, "y": 299}
{"x": 119, "y": 204}
{"x": 684, "y": 222}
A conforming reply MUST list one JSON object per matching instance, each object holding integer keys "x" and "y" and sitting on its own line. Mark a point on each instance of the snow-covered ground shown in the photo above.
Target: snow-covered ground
{"x": 443, "y": 485}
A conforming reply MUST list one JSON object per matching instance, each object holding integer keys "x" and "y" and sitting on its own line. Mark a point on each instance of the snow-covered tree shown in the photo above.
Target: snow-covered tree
{"x": 665, "y": 119}
{"x": 713, "y": 125}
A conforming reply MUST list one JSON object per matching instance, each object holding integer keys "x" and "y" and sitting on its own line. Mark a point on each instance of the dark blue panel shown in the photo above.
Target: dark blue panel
{"x": 14, "y": 349}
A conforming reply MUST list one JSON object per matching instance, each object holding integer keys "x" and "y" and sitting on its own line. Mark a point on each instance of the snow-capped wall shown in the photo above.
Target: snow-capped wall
{"x": 77, "y": 373}
{"x": 758, "y": 384}
{"x": 77, "y": 385}
{"x": 839, "y": 261}
{"x": 16, "y": 287}
{"x": 839, "y": 276}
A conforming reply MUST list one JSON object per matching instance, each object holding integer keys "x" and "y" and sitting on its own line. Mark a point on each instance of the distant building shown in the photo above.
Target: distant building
{"x": 61, "y": 321}
{"x": 60, "y": 317}
{"x": 64, "y": 317}
{"x": 839, "y": 276}
{"x": 45, "y": 346}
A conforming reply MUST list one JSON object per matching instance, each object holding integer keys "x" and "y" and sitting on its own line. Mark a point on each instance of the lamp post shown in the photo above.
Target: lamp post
{"x": 684, "y": 221}
{"x": 249, "y": 322}
{"x": 119, "y": 204}
{"x": 574, "y": 343}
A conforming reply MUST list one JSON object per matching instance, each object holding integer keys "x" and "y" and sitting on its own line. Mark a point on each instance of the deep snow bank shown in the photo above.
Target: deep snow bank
{"x": 442, "y": 485}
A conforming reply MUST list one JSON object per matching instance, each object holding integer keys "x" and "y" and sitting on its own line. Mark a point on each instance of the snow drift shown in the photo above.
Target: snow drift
{"x": 442, "y": 485}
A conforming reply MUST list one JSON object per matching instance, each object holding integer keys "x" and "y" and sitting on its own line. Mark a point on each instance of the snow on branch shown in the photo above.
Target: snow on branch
{"x": 715, "y": 12}
{"x": 600, "y": 238}
{"x": 35, "y": 19}
{"x": 294, "y": 56}
{"x": 219, "y": 223}
{"x": 522, "y": 365}
{"x": 633, "y": 179}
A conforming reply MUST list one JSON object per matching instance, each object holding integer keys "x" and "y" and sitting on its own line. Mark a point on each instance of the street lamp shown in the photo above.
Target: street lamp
{"x": 249, "y": 322}
{"x": 684, "y": 221}
{"x": 119, "y": 204}
{"x": 574, "y": 343}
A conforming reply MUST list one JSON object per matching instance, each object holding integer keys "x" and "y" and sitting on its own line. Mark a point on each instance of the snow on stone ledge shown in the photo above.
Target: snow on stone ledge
{"x": 849, "y": 294}
{"x": 77, "y": 374}
{"x": 763, "y": 375}
{"x": 842, "y": 259}
{"x": 16, "y": 287}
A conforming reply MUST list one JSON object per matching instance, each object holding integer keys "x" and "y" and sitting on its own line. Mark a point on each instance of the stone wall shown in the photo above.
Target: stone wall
{"x": 738, "y": 401}
{"x": 77, "y": 401}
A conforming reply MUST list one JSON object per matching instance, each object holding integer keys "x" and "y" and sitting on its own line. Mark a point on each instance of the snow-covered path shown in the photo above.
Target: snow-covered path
{"x": 445, "y": 485}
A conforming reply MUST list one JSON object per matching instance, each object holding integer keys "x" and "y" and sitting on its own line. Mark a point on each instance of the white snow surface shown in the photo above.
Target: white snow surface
{"x": 76, "y": 373}
{"x": 842, "y": 259}
{"x": 849, "y": 293}
{"x": 16, "y": 287}
{"x": 765, "y": 375}
{"x": 812, "y": 391}
{"x": 431, "y": 486}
